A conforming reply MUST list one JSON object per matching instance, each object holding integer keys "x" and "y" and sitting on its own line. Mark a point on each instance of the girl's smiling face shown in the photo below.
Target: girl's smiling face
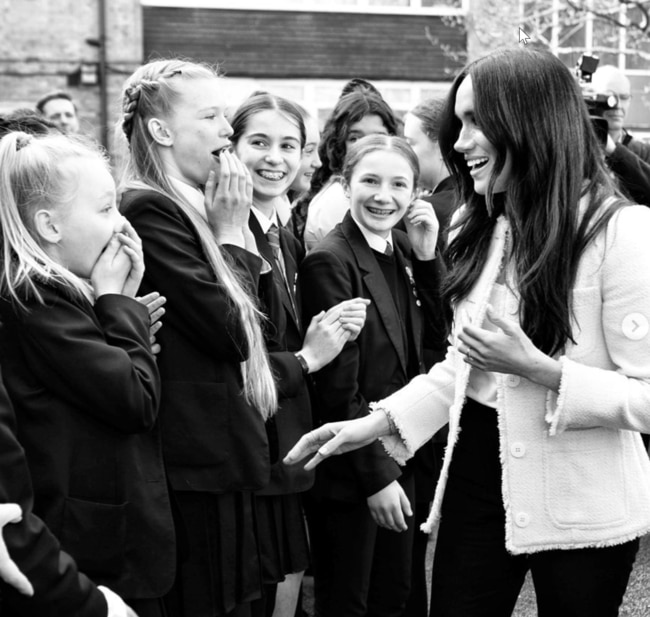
{"x": 270, "y": 148}
{"x": 381, "y": 188}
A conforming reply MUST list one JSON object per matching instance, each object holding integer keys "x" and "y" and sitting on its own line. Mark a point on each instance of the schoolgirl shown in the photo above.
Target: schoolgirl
{"x": 77, "y": 363}
{"x": 357, "y": 113}
{"x": 188, "y": 198}
{"x": 301, "y": 185}
{"x": 363, "y": 531}
{"x": 268, "y": 137}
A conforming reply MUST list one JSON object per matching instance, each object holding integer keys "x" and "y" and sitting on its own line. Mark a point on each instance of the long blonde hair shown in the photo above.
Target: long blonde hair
{"x": 31, "y": 179}
{"x": 151, "y": 92}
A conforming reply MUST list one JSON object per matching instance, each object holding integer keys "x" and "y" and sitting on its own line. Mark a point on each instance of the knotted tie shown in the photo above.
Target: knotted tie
{"x": 273, "y": 238}
{"x": 388, "y": 250}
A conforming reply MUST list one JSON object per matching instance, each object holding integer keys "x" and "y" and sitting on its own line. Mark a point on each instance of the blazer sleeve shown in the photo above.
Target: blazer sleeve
{"x": 197, "y": 305}
{"x": 616, "y": 397}
{"x": 59, "y": 589}
{"x": 436, "y": 312}
{"x": 326, "y": 281}
{"x": 633, "y": 174}
{"x": 97, "y": 358}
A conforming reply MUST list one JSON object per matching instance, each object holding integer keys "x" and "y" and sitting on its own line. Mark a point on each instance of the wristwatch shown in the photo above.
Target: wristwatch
{"x": 303, "y": 363}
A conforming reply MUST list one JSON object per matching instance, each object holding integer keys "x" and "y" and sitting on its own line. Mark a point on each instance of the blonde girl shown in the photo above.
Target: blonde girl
{"x": 189, "y": 199}
{"x": 79, "y": 370}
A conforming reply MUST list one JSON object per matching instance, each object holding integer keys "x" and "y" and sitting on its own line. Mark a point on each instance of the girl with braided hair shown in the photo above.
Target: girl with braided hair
{"x": 189, "y": 197}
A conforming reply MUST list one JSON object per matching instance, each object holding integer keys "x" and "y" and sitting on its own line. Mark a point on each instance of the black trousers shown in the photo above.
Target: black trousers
{"x": 473, "y": 574}
{"x": 360, "y": 569}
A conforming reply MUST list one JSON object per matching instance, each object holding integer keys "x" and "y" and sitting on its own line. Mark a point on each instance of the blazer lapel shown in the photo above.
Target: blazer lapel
{"x": 374, "y": 280}
{"x": 415, "y": 318}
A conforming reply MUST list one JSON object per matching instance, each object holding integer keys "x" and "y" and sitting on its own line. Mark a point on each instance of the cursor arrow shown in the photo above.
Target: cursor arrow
{"x": 523, "y": 37}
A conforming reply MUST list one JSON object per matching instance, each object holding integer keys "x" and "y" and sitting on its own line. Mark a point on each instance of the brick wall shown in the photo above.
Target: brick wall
{"x": 43, "y": 41}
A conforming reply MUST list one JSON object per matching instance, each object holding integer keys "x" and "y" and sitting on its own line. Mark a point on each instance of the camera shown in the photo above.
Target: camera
{"x": 597, "y": 102}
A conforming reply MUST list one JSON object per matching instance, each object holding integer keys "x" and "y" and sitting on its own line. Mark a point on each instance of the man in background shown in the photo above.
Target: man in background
{"x": 59, "y": 108}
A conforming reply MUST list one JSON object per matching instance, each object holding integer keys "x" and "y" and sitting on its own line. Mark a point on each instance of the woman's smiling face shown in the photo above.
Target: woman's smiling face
{"x": 480, "y": 154}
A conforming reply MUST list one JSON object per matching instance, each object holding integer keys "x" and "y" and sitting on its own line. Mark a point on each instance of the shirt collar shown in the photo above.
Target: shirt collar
{"x": 376, "y": 243}
{"x": 264, "y": 221}
{"x": 191, "y": 194}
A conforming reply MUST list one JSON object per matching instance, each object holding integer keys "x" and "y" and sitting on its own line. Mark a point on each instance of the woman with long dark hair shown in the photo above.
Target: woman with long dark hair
{"x": 548, "y": 370}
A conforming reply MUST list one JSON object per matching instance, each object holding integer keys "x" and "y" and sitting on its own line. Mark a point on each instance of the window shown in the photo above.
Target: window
{"x": 421, "y": 7}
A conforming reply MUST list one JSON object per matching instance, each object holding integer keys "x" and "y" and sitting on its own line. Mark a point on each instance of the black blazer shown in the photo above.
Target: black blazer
{"x": 372, "y": 367}
{"x": 59, "y": 589}
{"x": 85, "y": 388}
{"x": 213, "y": 440}
{"x": 284, "y": 336}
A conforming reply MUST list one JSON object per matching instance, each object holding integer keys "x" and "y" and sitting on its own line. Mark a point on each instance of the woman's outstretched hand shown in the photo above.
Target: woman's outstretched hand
{"x": 337, "y": 438}
{"x": 228, "y": 199}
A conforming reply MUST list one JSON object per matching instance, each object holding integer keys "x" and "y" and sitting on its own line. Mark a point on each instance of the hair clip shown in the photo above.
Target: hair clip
{"x": 22, "y": 141}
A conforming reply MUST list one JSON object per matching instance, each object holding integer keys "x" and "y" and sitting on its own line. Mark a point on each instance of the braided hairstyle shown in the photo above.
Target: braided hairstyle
{"x": 152, "y": 92}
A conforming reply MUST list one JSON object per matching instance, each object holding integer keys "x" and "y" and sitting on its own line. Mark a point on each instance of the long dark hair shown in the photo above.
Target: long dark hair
{"x": 349, "y": 109}
{"x": 529, "y": 106}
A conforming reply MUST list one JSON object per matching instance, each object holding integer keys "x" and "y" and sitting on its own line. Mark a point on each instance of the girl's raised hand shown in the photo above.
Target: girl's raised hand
{"x": 154, "y": 303}
{"x": 422, "y": 227}
{"x": 9, "y": 572}
{"x": 228, "y": 199}
{"x": 132, "y": 246}
{"x": 111, "y": 269}
{"x": 352, "y": 315}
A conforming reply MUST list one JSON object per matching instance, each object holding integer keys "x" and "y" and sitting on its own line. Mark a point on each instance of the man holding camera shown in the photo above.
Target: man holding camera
{"x": 628, "y": 158}
{"x": 609, "y": 79}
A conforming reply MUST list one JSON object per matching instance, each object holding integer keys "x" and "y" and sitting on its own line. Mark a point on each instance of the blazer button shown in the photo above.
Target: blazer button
{"x": 518, "y": 449}
{"x": 512, "y": 380}
{"x": 522, "y": 519}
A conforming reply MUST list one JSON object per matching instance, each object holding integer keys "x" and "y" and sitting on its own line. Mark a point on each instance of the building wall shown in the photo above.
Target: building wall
{"x": 312, "y": 45}
{"x": 43, "y": 42}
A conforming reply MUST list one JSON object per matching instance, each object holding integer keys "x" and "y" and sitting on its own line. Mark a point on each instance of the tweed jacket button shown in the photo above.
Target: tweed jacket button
{"x": 522, "y": 519}
{"x": 518, "y": 449}
{"x": 513, "y": 380}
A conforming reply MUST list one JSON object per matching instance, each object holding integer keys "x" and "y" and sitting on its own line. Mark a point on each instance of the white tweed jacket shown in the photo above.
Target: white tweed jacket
{"x": 575, "y": 473}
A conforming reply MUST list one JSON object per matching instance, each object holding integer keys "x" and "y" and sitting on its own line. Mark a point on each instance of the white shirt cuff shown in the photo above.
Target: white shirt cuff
{"x": 116, "y": 606}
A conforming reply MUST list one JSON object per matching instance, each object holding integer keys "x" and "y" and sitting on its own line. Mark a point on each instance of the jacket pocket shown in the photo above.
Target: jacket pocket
{"x": 194, "y": 420}
{"x": 95, "y": 535}
{"x": 584, "y": 478}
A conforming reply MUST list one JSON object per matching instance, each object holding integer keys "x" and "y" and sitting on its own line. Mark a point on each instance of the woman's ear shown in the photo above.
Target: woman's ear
{"x": 47, "y": 227}
{"x": 346, "y": 187}
{"x": 160, "y": 132}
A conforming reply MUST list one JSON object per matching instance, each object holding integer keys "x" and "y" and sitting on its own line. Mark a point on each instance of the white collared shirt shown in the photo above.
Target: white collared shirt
{"x": 376, "y": 243}
{"x": 264, "y": 221}
{"x": 192, "y": 195}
